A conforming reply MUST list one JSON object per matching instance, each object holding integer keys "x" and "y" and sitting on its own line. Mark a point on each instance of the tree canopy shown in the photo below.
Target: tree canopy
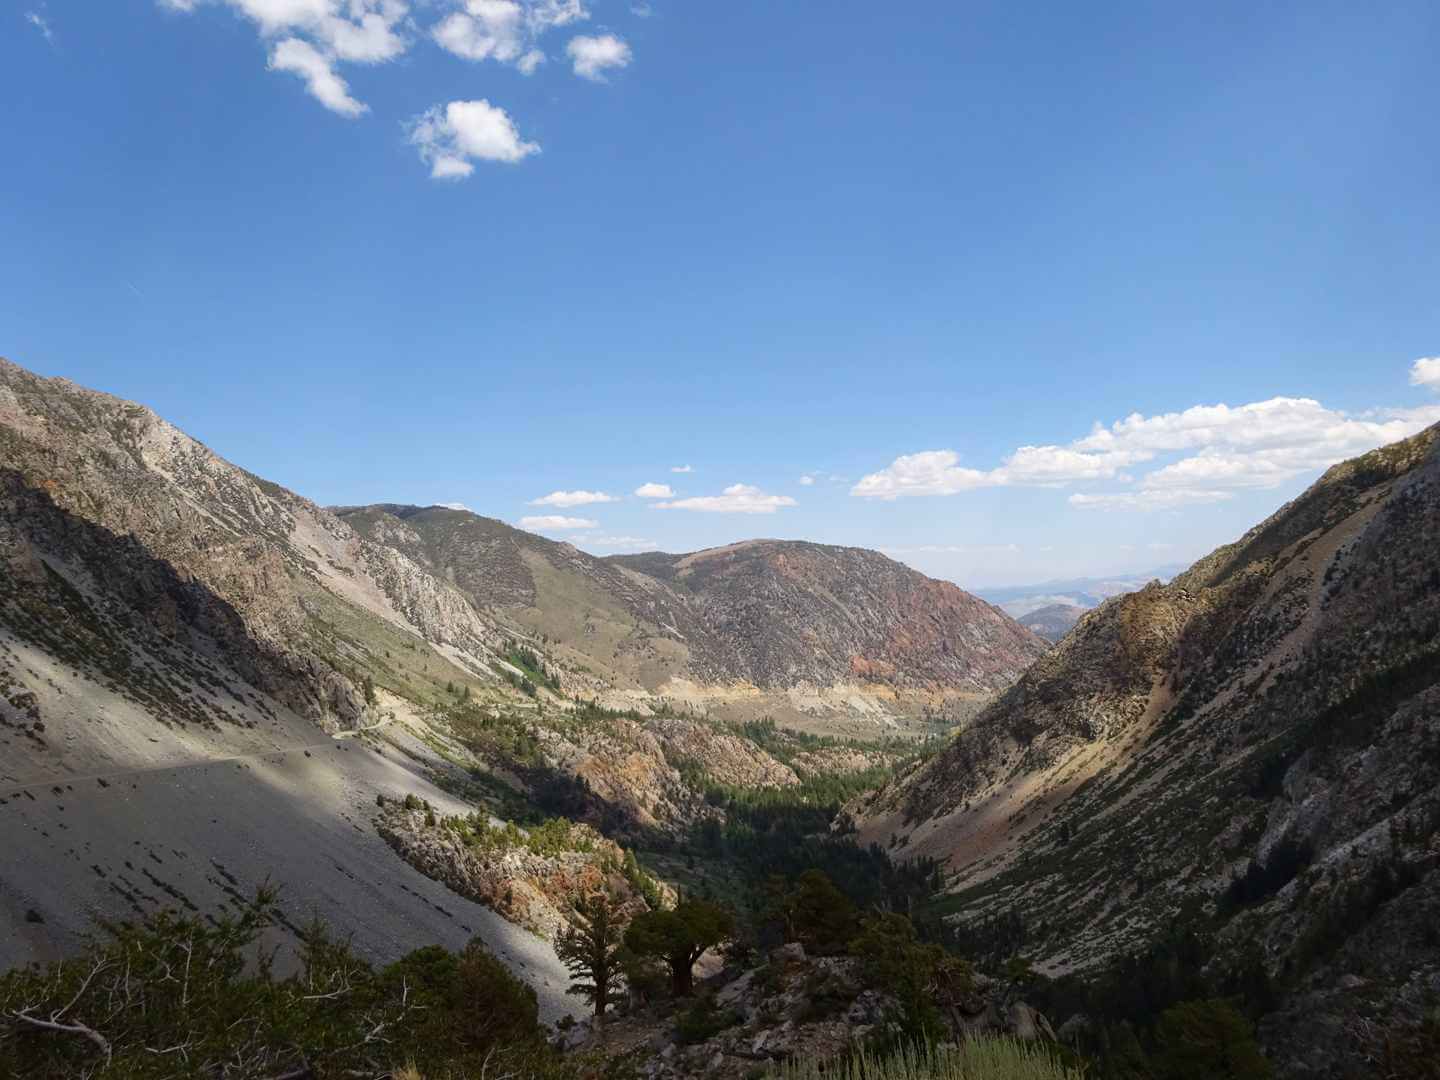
{"x": 680, "y": 937}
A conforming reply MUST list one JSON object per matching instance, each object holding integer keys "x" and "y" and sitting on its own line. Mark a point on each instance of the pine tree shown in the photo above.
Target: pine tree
{"x": 678, "y": 938}
{"x": 589, "y": 950}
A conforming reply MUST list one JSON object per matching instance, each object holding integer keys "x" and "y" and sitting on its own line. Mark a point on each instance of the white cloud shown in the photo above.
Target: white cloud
{"x": 450, "y": 139}
{"x": 1157, "y": 499}
{"x": 593, "y": 56}
{"x": 301, "y": 58}
{"x": 506, "y": 31}
{"x": 566, "y": 499}
{"x": 455, "y": 506}
{"x": 807, "y": 480}
{"x": 655, "y": 491}
{"x": 544, "y": 14}
{"x": 316, "y": 35}
{"x": 1278, "y": 422}
{"x": 954, "y": 549}
{"x": 930, "y": 472}
{"x": 35, "y": 19}
{"x": 618, "y": 543}
{"x": 1217, "y": 449}
{"x": 682, "y": 468}
{"x": 1424, "y": 372}
{"x": 1046, "y": 466}
{"x": 735, "y": 499}
{"x": 485, "y": 30}
{"x": 556, "y": 523}
{"x": 370, "y": 39}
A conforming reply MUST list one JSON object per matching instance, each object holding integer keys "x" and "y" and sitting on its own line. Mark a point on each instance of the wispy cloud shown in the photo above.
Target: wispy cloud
{"x": 505, "y": 31}
{"x": 735, "y": 499}
{"x": 556, "y": 523}
{"x": 41, "y": 23}
{"x": 603, "y": 542}
{"x": 1149, "y": 499}
{"x": 312, "y": 39}
{"x": 682, "y": 468}
{"x": 1217, "y": 450}
{"x": 301, "y": 58}
{"x": 954, "y": 549}
{"x": 566, "y": 499}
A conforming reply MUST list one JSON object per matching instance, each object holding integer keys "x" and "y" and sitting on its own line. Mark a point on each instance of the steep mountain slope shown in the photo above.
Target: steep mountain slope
{"x": 177, "y": 637}
{"x": 207, "y": 681}
{"x": 1252, "y": 750}
{"x": 87, "y": 475}
{"x": 762, "y": 626}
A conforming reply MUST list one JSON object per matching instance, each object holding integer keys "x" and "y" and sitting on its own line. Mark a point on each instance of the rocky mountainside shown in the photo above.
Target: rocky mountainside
{"x": 182, "y": 646}
{"x": 1251, "y": 753}
{"x": 207, "y": 681}
{"x": 109, "y": 496}
{"x": 765, "y": 625}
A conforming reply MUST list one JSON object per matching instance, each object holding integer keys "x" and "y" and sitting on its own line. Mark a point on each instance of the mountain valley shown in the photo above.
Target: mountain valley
{"x": 430, "y": 728}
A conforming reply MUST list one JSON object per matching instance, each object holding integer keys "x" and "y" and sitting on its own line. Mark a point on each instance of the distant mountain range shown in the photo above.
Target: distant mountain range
{"x": 795, "y": 625}
{"x": 1053, "y": 621}
{"x": 1085, "y": 593}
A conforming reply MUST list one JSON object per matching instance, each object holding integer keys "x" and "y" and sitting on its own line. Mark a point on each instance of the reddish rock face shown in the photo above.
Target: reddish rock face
{"x": 872, "y": 670}
{"x": 785, "y": 613}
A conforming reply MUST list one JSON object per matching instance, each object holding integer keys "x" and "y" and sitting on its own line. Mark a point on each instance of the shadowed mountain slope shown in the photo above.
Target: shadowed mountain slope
{"x": 1252, "y": 750}
{"x": 206, "y": 680}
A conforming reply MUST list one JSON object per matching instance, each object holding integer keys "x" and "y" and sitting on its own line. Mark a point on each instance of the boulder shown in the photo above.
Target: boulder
{"x": 791, "y": 954}
{"x": 1029, "y": 1024}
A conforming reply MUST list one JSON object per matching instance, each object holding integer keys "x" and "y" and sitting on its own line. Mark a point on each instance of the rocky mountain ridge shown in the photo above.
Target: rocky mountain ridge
{"x": 795, "y": 625}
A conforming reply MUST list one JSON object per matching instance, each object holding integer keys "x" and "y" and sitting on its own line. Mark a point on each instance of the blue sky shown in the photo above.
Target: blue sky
{"x": 483, "y": 251}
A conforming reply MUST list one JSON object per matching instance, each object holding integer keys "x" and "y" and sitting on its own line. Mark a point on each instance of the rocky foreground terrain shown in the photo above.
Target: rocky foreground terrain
{"x": 1249, "y": 755}
{"x": 795, "y": 1006}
